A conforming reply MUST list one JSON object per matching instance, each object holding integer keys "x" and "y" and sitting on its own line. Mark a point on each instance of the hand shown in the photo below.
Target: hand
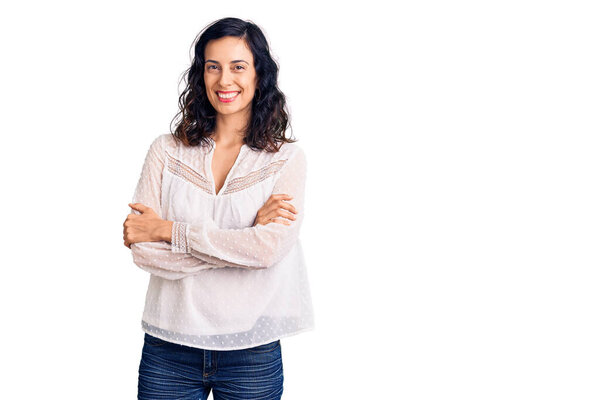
{"x": 276, "y": 206}
{"x": 145, "y": 227}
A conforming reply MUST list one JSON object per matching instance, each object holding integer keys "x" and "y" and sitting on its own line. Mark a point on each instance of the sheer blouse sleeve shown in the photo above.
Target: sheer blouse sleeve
{"x": 151, "y": 256}
{"x": 196, "y": 247}
{"x": 257, "y": 247}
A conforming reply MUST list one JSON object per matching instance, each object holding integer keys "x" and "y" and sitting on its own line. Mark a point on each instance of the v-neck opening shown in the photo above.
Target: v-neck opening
{"x": 212, "y": 175}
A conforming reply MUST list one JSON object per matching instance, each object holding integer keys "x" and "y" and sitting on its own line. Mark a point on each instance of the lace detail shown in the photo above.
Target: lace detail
{"x": 179, "y": 243}
{"x": 187, "y": 173}
{"x": 223, "y": 288}
{"x": 241, "y": 183}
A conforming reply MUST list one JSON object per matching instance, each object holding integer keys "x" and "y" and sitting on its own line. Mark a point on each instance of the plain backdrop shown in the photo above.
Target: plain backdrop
{"x": 451, "y": 230}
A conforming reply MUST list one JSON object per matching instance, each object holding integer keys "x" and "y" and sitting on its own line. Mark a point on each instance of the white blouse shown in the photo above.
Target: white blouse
{"x": 223, "y": 284}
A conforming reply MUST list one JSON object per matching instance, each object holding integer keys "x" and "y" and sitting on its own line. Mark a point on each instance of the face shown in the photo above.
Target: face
{"x": 229, "y": 75}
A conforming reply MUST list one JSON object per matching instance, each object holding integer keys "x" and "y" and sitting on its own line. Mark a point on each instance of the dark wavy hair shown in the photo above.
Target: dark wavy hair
{"x": 196, "y": 118}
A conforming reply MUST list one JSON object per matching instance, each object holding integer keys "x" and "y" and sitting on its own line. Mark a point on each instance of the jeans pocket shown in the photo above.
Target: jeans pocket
{"x": 153, "y": 340}
{"x": 265, "y": 348}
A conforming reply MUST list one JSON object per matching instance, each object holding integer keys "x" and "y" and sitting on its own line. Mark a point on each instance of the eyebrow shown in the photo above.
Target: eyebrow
{"x": 233, "y": 61}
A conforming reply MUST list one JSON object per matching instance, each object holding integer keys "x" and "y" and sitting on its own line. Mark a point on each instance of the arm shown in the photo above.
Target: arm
{"x": 260, "y": 246}
{"x": 197, "y": 247}
{"x": 150, "y": 256}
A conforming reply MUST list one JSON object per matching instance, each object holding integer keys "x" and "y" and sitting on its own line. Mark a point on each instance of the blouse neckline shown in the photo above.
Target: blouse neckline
{"x": 208, "y": 167}
{"x": 214, "y": 144}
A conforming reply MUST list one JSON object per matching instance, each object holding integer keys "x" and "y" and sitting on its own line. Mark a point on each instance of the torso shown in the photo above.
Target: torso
{"x": 222, "y": 161}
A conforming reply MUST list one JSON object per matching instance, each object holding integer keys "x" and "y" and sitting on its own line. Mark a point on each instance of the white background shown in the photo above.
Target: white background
{"x": 452, "y": 223}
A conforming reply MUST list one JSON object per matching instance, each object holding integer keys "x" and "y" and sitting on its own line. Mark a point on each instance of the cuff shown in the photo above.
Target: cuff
{"x": 179, "y": 235}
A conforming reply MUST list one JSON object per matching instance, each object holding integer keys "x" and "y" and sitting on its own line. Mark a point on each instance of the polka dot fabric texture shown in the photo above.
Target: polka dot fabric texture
{"x": 221, "y": 283}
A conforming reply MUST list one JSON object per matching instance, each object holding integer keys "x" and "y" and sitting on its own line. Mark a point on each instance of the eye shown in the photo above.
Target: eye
{"x": 239, "y": 67}
{"x": 209, "y": 67}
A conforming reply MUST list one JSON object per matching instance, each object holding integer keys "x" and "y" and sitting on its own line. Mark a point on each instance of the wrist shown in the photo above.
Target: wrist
{"x": 179, "y": 234}
{"x": 164, "y": 231}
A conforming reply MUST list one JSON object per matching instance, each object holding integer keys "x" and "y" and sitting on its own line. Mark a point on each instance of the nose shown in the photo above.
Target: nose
{"x": 225, "y": 78}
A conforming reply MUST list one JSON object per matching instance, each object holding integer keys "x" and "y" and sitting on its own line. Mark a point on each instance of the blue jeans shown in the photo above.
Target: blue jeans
{"x": 173, "y": 371}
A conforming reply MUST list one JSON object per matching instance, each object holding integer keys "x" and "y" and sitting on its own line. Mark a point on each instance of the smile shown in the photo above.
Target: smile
{"x": 227, "y": 97}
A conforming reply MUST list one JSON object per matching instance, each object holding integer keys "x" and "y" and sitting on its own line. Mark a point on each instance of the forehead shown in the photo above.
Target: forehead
{"x": 226, "y": 49}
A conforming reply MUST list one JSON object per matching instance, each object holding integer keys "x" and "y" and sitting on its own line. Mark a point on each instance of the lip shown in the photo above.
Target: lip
{"x": 226, "y": 92}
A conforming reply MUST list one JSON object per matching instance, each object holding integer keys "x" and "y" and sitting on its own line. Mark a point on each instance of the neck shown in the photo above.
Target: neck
{"x": 229, "y": 130}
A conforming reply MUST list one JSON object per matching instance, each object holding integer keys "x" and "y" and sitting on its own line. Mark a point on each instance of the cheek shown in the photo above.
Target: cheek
{"x": 250, "y": 82}
{"x": 250, "y": 88}
{"x": 208, "y": 82}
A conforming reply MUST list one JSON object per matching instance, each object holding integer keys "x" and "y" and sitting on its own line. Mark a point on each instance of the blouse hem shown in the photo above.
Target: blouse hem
{"x": 225, "y": 348}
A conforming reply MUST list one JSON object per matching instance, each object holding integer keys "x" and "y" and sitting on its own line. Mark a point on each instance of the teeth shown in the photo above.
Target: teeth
{"x": 227, "y": 95}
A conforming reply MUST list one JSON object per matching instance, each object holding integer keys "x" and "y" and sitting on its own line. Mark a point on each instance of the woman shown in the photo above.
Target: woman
{"x": 216, "y": 219}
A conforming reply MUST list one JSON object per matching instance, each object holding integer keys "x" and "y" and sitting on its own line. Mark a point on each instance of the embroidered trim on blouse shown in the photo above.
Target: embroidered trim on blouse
{"x": 253, "y": 177}
{"x": 179, "y": 243}
{"x": 187, "y": 173}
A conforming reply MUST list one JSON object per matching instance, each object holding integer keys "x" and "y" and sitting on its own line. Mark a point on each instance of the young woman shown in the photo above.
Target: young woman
{"x": 216, "y": 219}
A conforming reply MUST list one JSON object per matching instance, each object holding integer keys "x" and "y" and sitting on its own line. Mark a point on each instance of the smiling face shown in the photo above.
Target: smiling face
{"x": 229, "y": 75}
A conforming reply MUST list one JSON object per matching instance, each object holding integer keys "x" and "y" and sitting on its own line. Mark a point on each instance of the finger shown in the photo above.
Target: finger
{"x": 281, "y": 196}
{"x": 273, "y": 205}
{"x": 138, "y": 206}
{"x": 286, "y": 214}
{"x": 265, "y": 221}
{"x": 281, "y": 221}
{"x": 278, "y": 213}
{"x": 287, "y": 206}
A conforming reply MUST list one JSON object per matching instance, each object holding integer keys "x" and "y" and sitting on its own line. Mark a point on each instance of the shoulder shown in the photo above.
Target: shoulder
{"x": 167, "y": 141}
{"x": 292, "y": 155}
{"x": 164, "y": 143}
{"x": 289, "y": 151}
{"x": 286, "y": 152}
{"x": 297, "y": 155}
